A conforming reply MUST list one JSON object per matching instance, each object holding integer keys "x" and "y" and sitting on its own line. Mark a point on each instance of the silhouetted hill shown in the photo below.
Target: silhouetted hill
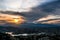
{"x": 31, "y": 28}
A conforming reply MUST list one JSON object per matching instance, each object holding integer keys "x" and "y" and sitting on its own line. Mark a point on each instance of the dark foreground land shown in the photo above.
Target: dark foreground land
{"x": 30, "y": 37}
{"x": 31, "y": 32}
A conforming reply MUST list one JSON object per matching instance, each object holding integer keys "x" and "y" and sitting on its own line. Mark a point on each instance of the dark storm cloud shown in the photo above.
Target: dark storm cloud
{"x": 43, "y": 10}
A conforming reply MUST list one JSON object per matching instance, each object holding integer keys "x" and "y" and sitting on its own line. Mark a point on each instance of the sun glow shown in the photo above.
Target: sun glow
{"x": 12, "y": 19}
{"x": 16, "y": 20}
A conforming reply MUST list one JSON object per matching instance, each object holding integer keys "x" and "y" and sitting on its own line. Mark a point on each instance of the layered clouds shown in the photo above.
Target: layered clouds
{"x": 50, "y": 19}
{"x": 49, "y": 13}
{"x": 33, "y": 10}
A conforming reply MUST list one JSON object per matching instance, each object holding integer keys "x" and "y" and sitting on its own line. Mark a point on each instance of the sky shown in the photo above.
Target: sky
{"x": 33, "y": 10}
{"x": 21, "y": 5}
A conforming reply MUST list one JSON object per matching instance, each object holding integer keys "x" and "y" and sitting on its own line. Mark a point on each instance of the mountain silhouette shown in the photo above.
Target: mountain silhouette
{"x": 31, "y": 28}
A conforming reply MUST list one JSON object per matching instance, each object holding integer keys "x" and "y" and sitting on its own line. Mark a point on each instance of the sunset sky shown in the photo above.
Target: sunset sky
{"x": 33, "y": 10}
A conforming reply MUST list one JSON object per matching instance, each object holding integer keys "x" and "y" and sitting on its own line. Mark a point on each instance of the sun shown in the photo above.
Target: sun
{"x": 16, "y": 20}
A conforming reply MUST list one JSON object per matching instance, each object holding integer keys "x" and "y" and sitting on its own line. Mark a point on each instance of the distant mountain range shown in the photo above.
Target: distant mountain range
{"x": 31, "y": 28}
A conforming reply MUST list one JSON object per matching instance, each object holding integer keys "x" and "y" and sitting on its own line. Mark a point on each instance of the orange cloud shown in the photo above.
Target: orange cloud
{"x": 13, "y": 19}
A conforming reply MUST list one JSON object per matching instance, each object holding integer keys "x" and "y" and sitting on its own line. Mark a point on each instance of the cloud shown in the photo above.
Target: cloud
{"x": 9, "y": 19}
{"x": 38, "y": 9}
{"x": 50, "y": 19}
{"x": 52, "y": 22}
{"x": 20, "y": 5}
{"x": 43, "y": 10}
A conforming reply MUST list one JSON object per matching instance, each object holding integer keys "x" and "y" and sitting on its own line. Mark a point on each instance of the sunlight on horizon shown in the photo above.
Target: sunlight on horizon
{"x": 13, "y": 19}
